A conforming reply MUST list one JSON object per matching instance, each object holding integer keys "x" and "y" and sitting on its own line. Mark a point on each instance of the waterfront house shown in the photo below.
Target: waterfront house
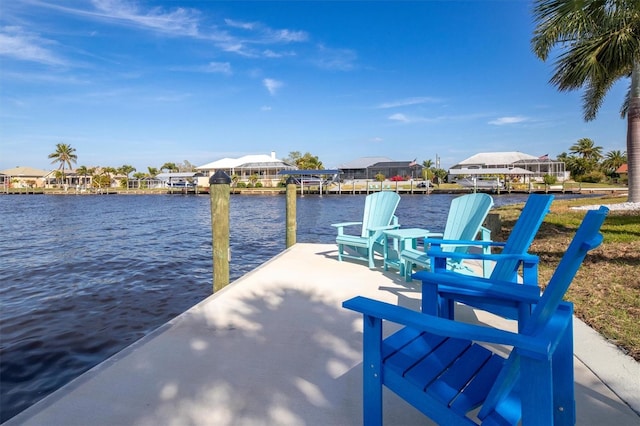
{"x": 263, "y": 167}
{"x": 517, "y": 166}
{"x": 24, "y": 177}
{"x": 369, "y": 167}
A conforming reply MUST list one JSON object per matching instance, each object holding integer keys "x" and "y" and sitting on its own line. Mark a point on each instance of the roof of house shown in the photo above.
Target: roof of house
{"x": 178, "y": 175}
{"x": 248, "y": 161}
{"x": 495, "y": 158}
{"x": 25, "y": 171}
{"x": 364, "y": 162}
{"x": 623, "y": 169}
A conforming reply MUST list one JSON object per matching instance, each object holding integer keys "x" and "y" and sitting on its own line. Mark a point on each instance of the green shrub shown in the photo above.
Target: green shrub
{"x": 258, "y": 185}
{"x": 592, "y": 177}
{"x": 241, "y": 185}
{"x": 549, "y": 179}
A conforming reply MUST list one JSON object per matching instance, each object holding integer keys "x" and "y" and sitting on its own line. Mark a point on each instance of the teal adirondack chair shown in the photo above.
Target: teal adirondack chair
{"x": 438, "y": 366}
{"x": 512, "y": 260}
{"x": 466, "y": 216}
{"x": 379, "y": 215}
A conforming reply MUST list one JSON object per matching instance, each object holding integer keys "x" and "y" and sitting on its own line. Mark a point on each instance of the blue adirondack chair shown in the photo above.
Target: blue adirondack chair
{"x": 466, "y": 216}
{"x": 513, "y": 259}
{"x": 379, "y": 215}
{"x": 437, "y": 365}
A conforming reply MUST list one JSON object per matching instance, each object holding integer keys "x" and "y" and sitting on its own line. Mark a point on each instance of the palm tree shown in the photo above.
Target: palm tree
{"x": 601, "y": 44}
{"x": 586, "y": 149}
{"x": 613, "y": 160}
{"x": 84, "y": 172}
{"x": 65, "y": 155}
{"x": 170, "y": 167}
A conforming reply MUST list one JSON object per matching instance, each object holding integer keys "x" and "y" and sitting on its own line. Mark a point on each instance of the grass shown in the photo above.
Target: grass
{"x": 606, "y": 289}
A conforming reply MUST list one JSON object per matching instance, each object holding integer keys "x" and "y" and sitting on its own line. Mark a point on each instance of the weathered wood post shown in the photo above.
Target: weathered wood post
{"x": 219, "y": 188}
{"x": 291, "y": 212}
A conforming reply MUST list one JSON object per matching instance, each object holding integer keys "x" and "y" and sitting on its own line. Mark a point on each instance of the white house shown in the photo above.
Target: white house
{"x": 265, "y": 167}
{"x": 517, "y": 165}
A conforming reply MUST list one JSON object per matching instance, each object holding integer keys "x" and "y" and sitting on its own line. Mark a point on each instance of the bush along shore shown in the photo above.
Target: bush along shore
{"x": 606, "y": 290}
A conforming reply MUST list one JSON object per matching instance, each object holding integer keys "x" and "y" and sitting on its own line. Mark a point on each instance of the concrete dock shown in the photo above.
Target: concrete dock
{"x": 276, "y": 348}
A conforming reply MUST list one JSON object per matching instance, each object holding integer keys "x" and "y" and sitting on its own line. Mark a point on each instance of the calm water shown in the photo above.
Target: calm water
{"x": 84, "y": 276}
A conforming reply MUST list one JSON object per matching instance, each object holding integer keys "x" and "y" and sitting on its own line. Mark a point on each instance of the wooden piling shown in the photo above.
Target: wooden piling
{"x": 219, "y": 189}
{"x": 291, "y": 214}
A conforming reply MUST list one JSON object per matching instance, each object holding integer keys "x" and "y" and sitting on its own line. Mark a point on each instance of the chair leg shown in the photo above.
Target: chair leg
{"x": 563, "y": 380}
{"x": 340, "y": 252}
{"x": 372, "y": 265}
{"x": 408, "y": 270}
{"x": 372, "y": 371}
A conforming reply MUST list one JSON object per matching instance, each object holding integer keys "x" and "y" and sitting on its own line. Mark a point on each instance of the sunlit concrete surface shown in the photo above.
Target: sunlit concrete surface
{"x": 276, "y": 348}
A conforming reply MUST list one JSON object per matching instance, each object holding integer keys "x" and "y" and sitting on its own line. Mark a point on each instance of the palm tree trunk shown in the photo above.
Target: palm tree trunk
{"x": 633, "y": 136}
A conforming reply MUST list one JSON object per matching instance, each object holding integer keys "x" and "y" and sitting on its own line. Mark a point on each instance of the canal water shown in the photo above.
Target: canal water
{"x": 85, "y": 276}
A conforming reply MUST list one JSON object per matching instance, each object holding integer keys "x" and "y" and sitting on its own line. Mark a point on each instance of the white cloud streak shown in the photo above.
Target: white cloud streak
{"x": 272, "y": 85}
{"x": 24, "y": 46}
{"x": 407, "y": 102}
{"x": 399, "y": 117}
{"x": 501, "y": 121}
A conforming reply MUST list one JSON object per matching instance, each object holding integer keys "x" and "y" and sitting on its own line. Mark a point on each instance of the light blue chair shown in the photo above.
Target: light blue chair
{"x": 379, "y": 215}
{"x": 466, "y": 216}
{"x": 439, "y": 366}
{"x": 508, "y": 264}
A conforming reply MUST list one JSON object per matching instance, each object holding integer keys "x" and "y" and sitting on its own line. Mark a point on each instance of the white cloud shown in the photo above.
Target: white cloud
{"x": 177, "y": 21}
{"x": 16, "y": 43}
{"x": 272, "y": 85}
{"x": 407, "y": 102}
{"x": 335, "y": 59}
{"x": 377, "y": 139}
{"x": 508, "y": 120}
{"x": 399, "y": 117}
{"x": 265, "y": 108}
{"x": 238, "y": 24}
{"x": 219, "y": 67}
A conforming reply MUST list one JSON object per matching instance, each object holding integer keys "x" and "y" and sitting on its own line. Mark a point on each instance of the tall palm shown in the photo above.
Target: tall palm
{"x": 587, "y": 149}
{"x": 600, "y": 42}
{"x": 84, "y": 172}
{"x": 65, "y": 155}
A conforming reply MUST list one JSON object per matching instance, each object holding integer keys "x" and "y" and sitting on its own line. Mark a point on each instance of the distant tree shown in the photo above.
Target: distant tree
{"x": 170, "y": 167}
{"x": 153, "y": 172}
{"x": 612, "y": 161}
{"x": 304, "y": 162}
{"x": 65, "y": 155}
{"x": 253, "y": 179}
{"x": 126, "y": 170}
{"x": 440, "y": 175}
{"x": 599, "y": 42}
{"x": 427, "y": 164}
{"x": 380, "y": 177}
{"x": 108, "y": 173}
{"x": 587, "y": 149}
{"x": 84, "y": 172}
{"x": 186, "y": 167}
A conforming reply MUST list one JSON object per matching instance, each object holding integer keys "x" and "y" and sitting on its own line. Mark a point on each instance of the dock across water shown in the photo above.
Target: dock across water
{"x": 276, "y": 348}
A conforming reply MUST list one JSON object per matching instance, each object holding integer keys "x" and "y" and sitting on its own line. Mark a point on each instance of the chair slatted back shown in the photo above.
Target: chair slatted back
{"x": 586, "y": 238}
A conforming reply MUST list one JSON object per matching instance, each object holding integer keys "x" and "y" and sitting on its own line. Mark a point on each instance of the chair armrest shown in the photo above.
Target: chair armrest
{"x": 383, "y": 228}
{"x": 343, "y": 224}
{"x": 480, "y": 287}
{"x": 535, "y": 347}
{"x": 482, "y": 243}
{"x": 527, "y": 258}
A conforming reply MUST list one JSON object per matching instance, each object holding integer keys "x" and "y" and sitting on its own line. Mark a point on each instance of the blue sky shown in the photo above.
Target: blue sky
{"x": 149, "y": 82}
